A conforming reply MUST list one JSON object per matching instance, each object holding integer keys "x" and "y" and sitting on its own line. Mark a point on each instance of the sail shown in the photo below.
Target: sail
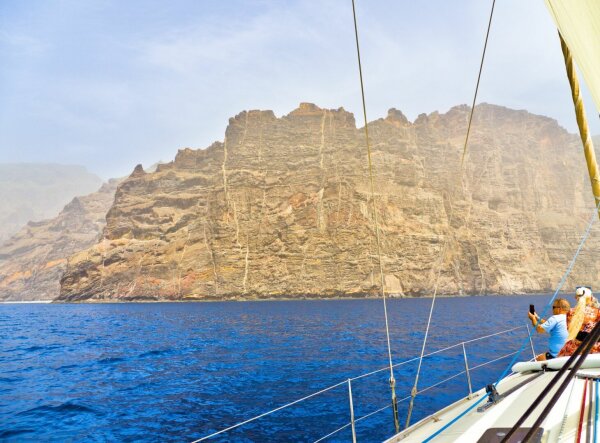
{"x": 579, "y": 24}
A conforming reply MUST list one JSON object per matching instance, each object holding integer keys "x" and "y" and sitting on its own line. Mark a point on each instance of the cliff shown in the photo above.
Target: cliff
{"x": 281, "y": 208}
{"x": 33, "y": 260}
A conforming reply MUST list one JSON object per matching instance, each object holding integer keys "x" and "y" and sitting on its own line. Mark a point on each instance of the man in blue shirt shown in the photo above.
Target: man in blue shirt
{"x": 556, "y": 326}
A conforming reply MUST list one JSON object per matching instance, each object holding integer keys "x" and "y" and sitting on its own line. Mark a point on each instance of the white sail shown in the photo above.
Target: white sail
{"x": 579, "y": 24}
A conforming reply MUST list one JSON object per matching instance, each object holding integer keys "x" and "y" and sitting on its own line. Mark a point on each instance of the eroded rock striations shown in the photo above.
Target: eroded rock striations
{"x": 33, "y": 260}
{"x": 281, "y": 208}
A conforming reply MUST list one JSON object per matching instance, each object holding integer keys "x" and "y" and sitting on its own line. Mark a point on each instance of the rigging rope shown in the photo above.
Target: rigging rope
{"x": 376, "y": 222}
{"x": 414, "y": 390}
{"x": 487, "y": 35}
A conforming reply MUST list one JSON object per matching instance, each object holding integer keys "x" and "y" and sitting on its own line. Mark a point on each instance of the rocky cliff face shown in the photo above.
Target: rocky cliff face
{"x": 282, "y": 208}
{"x": 33, "y": 260}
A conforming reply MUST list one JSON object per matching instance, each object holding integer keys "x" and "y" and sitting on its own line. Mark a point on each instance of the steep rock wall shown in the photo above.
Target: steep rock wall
{"x": 282, "y": 208}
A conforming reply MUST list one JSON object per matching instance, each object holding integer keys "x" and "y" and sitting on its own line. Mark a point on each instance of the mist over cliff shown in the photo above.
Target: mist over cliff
{"x": 37, "y": 191}
{"x": 33, "y": 260}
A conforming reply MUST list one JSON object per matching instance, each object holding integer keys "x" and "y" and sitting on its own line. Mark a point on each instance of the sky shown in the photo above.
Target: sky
{"x": 110, "y": 84}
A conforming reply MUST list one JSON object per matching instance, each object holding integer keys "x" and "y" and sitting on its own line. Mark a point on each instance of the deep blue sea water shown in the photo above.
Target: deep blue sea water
{"x": 179, "y": 371}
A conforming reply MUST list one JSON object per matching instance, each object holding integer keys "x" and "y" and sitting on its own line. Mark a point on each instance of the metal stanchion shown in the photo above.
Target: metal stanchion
{"x": 351, "y": 411}
{"x": 530, "y": 340}
{"x": 467, "y": 370}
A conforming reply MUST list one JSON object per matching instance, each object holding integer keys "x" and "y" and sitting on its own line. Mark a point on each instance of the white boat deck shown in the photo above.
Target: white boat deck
{"x": 560, "y": 425}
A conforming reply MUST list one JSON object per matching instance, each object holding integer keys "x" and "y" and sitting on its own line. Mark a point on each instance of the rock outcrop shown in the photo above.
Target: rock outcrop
{"x": 33, "y": 260}
{"x": 282, "y": 208}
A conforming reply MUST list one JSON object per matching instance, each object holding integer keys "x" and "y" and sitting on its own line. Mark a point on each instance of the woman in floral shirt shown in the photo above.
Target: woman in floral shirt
{"x": 580, "y": 321}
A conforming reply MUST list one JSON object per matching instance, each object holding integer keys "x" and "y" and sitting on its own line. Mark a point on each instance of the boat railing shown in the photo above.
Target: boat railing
{"x": 354, "y": 420}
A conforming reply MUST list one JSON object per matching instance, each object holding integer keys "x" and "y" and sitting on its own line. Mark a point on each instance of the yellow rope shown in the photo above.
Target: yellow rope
{"x": 586, "y": 139}
{"x": 376, "y": 222}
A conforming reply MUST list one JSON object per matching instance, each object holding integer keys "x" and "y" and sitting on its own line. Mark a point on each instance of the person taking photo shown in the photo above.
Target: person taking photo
{"x": 556, "y": 326}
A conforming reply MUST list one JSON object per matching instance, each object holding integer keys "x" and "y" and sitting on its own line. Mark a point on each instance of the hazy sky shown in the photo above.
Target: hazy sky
{"x": 109, "y": 84}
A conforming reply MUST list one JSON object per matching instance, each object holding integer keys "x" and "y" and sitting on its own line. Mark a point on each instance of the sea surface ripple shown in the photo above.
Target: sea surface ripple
{"x": 180, "y": 371}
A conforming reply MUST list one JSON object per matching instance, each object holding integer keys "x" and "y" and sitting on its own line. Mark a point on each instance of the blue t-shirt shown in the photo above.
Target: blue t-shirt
{"x": 556, "y": 326}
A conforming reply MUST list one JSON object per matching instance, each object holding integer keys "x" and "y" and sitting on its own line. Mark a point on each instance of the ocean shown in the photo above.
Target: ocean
{"x": 179, "y": 371}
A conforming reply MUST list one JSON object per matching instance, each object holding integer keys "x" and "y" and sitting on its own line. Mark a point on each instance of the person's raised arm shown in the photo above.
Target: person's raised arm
{"x": 536, "y": 322}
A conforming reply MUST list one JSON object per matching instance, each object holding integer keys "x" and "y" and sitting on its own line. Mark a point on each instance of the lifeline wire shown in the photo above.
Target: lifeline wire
{"x": 512, "y": 362}
{"x": 269, "y": 412}
{"x": 376, "y": 222}
{"x": 437, "y": 352}
{"x": 362, "y": 376}
{"x": 414, "y": 390}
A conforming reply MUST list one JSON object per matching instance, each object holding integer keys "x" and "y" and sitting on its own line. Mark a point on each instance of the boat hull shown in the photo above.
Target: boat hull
{"x": 517, "y": 393}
